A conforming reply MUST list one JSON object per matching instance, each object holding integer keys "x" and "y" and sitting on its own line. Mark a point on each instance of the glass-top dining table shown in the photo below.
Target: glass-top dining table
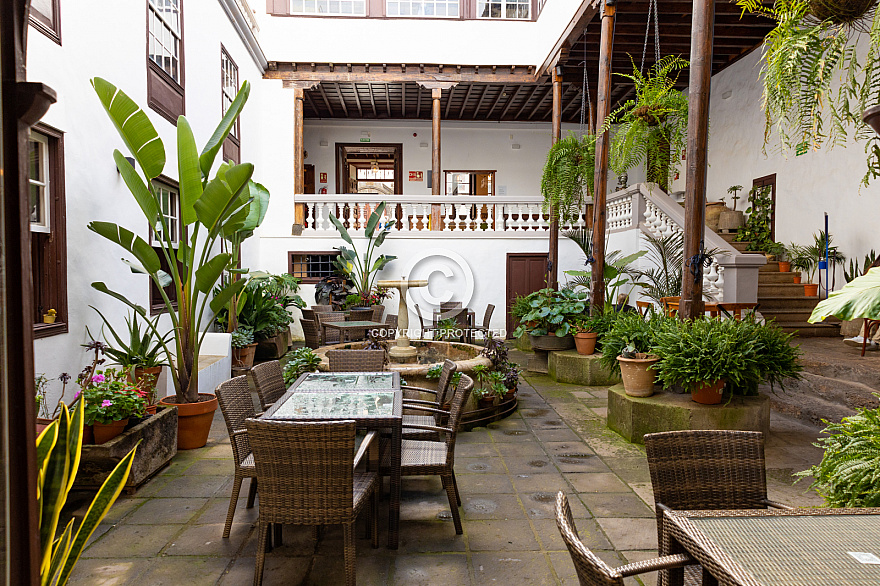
{"x": 372, "y": 399}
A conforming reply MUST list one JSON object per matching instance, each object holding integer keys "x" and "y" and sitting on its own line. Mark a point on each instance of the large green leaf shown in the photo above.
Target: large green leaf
{"x": 59, "y": 554}
{"x": 188, "y": 171}
{"x": 259, "y": 204}
{"x": 226, "y": 294}
{"x": 208, "y": 273}
{"x": 148, "y": 204}
{"x": 860, "y": 298}
{"x": 131, "y": 242}
{"x": 53, "y": 492}
{"x": 217, "y": 200}
{"x": 206, "y": 159}
{"x": 74, "y": 441}
{"x": 134, "y": 127}
{"x": 374, "y": 220}
{"x": 342, "y": 231}
{"x": 100, "y": 286}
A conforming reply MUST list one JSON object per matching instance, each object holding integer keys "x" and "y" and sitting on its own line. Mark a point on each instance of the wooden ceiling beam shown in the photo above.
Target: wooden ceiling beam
{"x": 480, "y": 102}
{"x": 464, "y": 102}
{"x": 311, "y": 102}
{"x": 510, "y": 102}
{"x": 526, "y": 102}
{"x": 326, "y": 100}
{"x": 388, "y": 100}
{"x": 419, "y": 101}
{"x": 512, "y": 74}
{"x": 357, "y": 99}
{"x": 497, "y": 99}
{"x": 341, "y": 99}
{"x": 403, "y": 99}
{"x": 372, "y": 100}
{"x": 543, "y": 97}
{"x": 448, "y": 103}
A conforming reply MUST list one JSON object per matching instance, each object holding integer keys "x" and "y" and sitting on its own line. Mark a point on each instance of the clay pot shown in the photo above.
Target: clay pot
{"x": 811, "y": 289}
{"x": 486, "y": 402}
{"x": 551, "y": 342}
{"x": 510, "y": 394}
{"x": 42, "y": 423}
{"x": 707, "y": 392}
{"x": 585, "y": 342}
{"x": 784, "y": 266}
{"x": 151, "y": 409}
{"x": 871, "y": 117}
{"x": 637, "y": 374}
{"x": 193, "y": 420}
{"x": 797, "y": 279}
{"x": 104, "y": 432}
{"x": 713, "y": 213}
{"x": 244, "y": 357}
{"x": 146, "y": 380}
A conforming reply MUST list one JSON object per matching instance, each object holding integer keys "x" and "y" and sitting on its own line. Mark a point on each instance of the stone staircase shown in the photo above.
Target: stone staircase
{"x": 782, "y": 300}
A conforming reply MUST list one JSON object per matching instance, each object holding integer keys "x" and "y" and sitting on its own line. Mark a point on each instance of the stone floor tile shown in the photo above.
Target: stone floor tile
{"x": 542, "y": 505}
{"x": 483, "y": 483}
{"x": 531, "y": 465}
{"x": 212, "y": 466}
{"x": 510, "y": 450}
{"x": 198, "y": 571}
{"x": 556, "y": 435}
{"x": 645, "y": 492}
{"x": 161, "y": 511}
{"x": 579, "y": 461}
{"x": 631, "y": 533}
{"x": 630, "y": 469}
{"x": 515, "y": 567}
{"x": 133, "y": 541}
{"x": 590, "y": 533}
{"x": 512, "y": 422}
{"x": 428, "y": 537}
{"x": 513, "y": 436}
{"x": 476, "y": 451}
{"x": 153, "y": 486}
{"x": 430, "y": 570}
{"x": 596, "y": 482}
{"x": 548, "y": 423}
{"x": 195, "y": 486}
{"x": 109, "y": 572}
{"x": 121, "y": 508}
{"x": 616, "y": 505}
{"x": 216, "y": 509}
{"x": 491, "y": 506}
{"x": 536, "y": 414}
{"x": 551, "y": 482}
{"x": 501, "y": 536}
{"x": 220, "y": 450}
{"x": 276, "y": 570}
{"x": 490, "y": 465}
{"x": 601, "y": 412}
{"x": 475, "y": 436}
{"x": 208, "y": 540}
{"x": 425, "y": 507}
{"x": 564, "y": 567}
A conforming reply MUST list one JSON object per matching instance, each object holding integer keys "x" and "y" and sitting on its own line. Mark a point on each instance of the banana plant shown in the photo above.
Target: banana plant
{"x": 860, "y": 298}
{"x": 210, "y": 209}
{"x": 362, "y": 270}
{"x": 58, "y": 455}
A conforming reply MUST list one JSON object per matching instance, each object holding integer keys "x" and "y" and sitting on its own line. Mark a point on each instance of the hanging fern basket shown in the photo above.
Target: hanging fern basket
{"x": 651, "y": 114}
{"x": 844, "y": 12}
{"x": 871, "y": 117}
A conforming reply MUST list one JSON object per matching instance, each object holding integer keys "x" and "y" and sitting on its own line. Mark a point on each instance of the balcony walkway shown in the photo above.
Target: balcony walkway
{"x": 169, "y": 532}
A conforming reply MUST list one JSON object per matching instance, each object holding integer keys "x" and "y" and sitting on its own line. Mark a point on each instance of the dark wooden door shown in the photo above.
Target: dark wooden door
{"x": 308, "y": 179}
{"x": 526, "y": 273}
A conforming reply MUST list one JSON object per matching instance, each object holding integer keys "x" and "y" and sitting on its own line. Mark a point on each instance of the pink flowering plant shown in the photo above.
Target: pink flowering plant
{"x": 110, "y": 396}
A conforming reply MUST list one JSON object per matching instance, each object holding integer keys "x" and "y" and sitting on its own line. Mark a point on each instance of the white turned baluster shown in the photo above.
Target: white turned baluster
{"x": 448, "y": 214}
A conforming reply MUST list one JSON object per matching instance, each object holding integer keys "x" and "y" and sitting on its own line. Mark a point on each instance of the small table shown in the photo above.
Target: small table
{"x": 793, "y": 547}
{"x": 373, "y": 400}
{"x": 348, "y": 329}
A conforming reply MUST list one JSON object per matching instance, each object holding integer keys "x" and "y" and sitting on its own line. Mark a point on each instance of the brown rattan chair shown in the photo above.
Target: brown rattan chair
{"x": 322, "y": 308}
{"x": 390, "y": 327}
{"x": 436, "y": 457}
{"x": 356, "y": 360}
{"x": 329, "y": 336}
{"x": 311, "y": 333}
{"x": 308, "y": 314}
{"x": 378, "y": 312}
{"x": 487, "y": 317}
{"x": 447, "y": 305}
{"x": 307, "y": 478}
{"x": 424, "y": 329}
{"x": 706, "y": 469}
{"x": 268, "y": 381}
{"x": 591, "y": 570}
{"x": 236, "y": 404}
{"x": 412, "y": 396}
{"x": 361, "y": 315}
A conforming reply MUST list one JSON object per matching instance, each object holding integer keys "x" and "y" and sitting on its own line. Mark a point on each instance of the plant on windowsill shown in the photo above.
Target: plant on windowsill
{"x": 653, "y": 125}
{"x": 49, "y": 316}
{"x": 210, "y": 208}
{"x": 110, "y": 400}
{"x": 243, "y": 347}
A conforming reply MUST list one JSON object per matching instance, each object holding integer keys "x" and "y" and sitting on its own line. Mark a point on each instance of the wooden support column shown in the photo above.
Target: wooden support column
{"x": 702, "y": 35}
{"x": 556, "y": 132}
{"x": 606, "y": 44}
{"x": 435, "y": 140}
{"x": 298, "y": 148}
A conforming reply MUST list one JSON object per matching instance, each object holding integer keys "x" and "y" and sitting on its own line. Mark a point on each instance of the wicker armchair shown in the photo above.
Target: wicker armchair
{"x": 436, "y": 457}
{"x": 411, "y": 396}
{"x": 356, "y": 360}
{"x": 322, "y": 308}
{"x": 268, "y": 381}
{"x": 329, "y": 336}
{"x": 706, "y": 469}
{"x": 378, "y": 312}
{"x": 424, "y": 329}
{"x": 361, "y": 315}
{"x": 308, "y": 314}
{"x": 487, "y": 317}
{"x": 311, "y": 333}
{"x": 236, "y": 404}
{"x": 390, "y": 329}
{"x": 591, "y": 570}
{"x": 307, "y": 478}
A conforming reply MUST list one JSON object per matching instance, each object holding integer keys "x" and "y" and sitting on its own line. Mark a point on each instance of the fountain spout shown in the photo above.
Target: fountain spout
{"x": 402, "y": 351}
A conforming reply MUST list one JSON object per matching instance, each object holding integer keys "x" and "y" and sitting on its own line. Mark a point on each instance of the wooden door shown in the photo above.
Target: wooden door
{"x": 768, "y": 183}
{"x": 308, "y": 179}
{"x": 526, "y": 273}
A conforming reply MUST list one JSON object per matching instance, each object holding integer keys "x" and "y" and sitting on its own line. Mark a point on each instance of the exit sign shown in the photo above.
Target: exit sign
{"x": 365, "y": 140}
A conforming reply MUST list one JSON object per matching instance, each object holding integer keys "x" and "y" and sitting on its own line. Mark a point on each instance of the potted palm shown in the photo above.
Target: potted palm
{"x": 209, "y": 207}
{"x": 811, "y": 257}
{"x": 362, "y": 270}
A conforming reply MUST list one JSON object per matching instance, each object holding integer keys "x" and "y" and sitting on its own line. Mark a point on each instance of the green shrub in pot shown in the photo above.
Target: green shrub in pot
{"x": 242, "y": 337}
{"x": 552, "y": 312}
{"x": 301, "y": 361}
{"x": 629, "y": 328}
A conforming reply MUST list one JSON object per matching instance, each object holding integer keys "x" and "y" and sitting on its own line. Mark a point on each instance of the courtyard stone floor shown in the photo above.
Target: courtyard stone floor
{"x": 169, "y": 532}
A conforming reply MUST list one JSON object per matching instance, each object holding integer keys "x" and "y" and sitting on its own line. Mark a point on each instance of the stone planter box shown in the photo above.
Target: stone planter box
{"x": 159, "y": 445}
{"x": 524, "y": 343}
{"x": 579, "y": 369}
{"x": 273, "y": 348}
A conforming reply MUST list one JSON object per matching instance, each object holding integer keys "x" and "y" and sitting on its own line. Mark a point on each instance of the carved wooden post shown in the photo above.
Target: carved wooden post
{"x": 553, "y": 256}
{"x": 606, "y": 44}
{"x": 298, "y": 149}
{"x": 702, "y": 34}
{"x": 435, "y": 140}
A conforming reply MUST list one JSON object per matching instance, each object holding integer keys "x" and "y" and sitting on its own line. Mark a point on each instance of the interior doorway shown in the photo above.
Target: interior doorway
{"x": 369, "y": 168}
{"x": 308, "y": 179}
{"x": 767, "y": 184}
{"x": 526, "y": 273}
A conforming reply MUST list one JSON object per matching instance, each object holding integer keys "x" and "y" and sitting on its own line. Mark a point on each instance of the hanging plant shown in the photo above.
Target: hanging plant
{"x": 653, "y": 125}
{"x": 568, "y": 173}
{"x": 817, "y": 83}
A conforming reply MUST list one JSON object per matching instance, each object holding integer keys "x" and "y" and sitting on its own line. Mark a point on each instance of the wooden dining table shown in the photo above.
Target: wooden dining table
{"x": 373, "y": 400}
{"x": 777, "y": 547}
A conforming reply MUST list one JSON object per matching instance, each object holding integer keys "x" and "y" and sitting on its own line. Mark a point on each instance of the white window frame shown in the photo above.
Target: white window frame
{"x": 504, "y": 4}
{"x": 395, "y": 8}
{"x": 170, "y": 212}
{"x": 45, "y": 225}
{"x": 170, "y": 42}
{"x": 229, "y": 72}
{"x": 315, "y": 7}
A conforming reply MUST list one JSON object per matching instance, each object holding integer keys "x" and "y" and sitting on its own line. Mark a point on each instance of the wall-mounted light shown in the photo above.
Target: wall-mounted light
{"x": 515, "y": 146}
{"x": 130, "y": 162}
{"x": 324, "y": 142}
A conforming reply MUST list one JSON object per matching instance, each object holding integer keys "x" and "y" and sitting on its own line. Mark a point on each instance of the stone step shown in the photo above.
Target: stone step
{"x": 780, "y": 290}
{"x": 730, "y": 238}
{"x": 786, "y": 315}
{"x": 766, "y": 277}
{"x": 808, "y": 330}
{"x": 740, "y": 246}
{"x": 816, "y": 397}
{"x": 771, "y": 267}
{"x": 769, "y": 303}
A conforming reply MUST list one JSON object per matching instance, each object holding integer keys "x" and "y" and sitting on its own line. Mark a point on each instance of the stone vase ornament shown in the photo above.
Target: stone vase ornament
{"x": 731, "y": 220}
{"x": 708, "y": 392}
{"x": 638, "y": 375}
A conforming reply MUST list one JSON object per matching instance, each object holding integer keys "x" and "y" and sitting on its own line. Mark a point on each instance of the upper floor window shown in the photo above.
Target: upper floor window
{"x": 170, "y": 209}
{"x": 38, "y": 162}
{"x": 426, "y": 8}
{"x": 329, "y": 7}
{"x": 165, "y": 36}
{"x": 228, "y": 90}
{"x": 44, "y": 15}
{"x": 470, "y": 182}
{"x": 504, "y": 9}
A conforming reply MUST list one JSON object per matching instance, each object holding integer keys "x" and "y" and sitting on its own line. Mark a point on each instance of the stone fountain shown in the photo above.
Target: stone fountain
{"x": 403, "y": 352}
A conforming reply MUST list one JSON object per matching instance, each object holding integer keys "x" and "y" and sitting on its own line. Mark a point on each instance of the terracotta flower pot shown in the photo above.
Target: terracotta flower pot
{"x": 708, "y": 392}
{"x": 104, "y": 432}
{"x": 637, "y": 374}
{"x": 486, "y": 402}
{"x": 784, "y": 266}
{"x": 193, "y": 420}
{"x": 88, "y": 434}
{"x": 585, "y": 342}
{"x": 797, "y": 279}
{"x": 146, "y": 380}
{"x": 510, "y": 394}
{"x": 811, "y": 289}
{"x": 244, "y": 357}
